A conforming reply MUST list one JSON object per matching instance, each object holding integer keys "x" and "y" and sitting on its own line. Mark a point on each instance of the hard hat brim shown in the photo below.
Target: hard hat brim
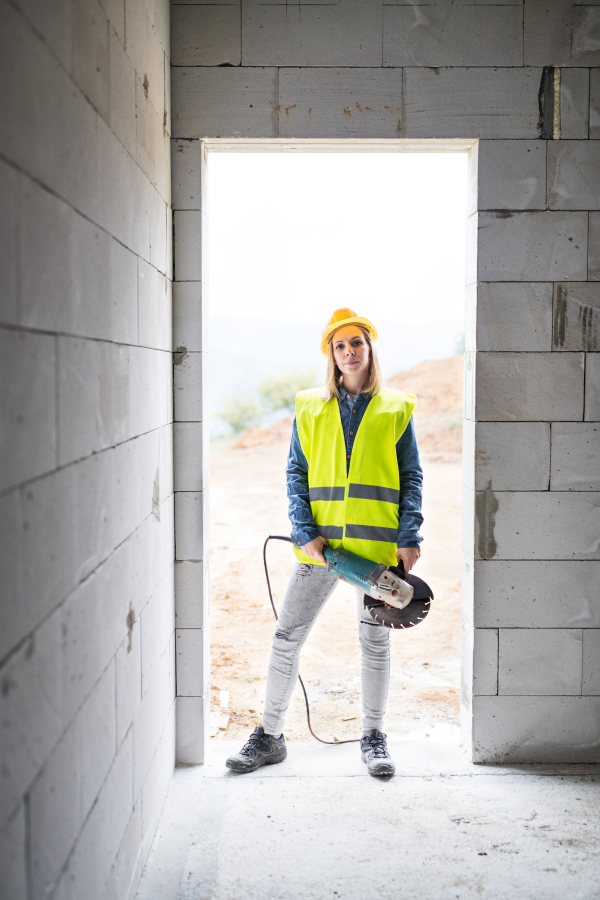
{"x": 354, "y": 320}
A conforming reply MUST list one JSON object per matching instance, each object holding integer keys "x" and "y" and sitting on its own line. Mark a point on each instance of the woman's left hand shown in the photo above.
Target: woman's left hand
{"x": 408, "y": 555}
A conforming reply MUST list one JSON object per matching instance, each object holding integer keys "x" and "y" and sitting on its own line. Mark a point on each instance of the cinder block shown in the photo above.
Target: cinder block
{"x": 10, "y": 190}
{"x": 544, "y": 525}
{"x": 94, "y": 397}
{"x": 191, "y": 663}
{"x": 55, "y": 812}
{"x": 206, "y": 35}
{"x": 540, "y": 661}
{"x": 575, "y": 455}
{"x": 485, "y": 661}
{"x": 158, "y": 224}
{"x": 83, "y": 655}
{"x": 345, "y": 34}
{"x": 124, "y": 199}
{"x": 594, "y": 130}
{"x": 27, "y": 406}
{"x": 190, "y": 321}
{"x": 128, "y": 681}
{"x": 548, "y": 594}
{"x": 166, "y": 610}
{"x": 454, "y": 35}
{"x": 152, "y": 144}
{"x": 97, "y": 737}
{"x": 150, "y": 621}
{"x": 89, "y": 53}
{"x": 591, "y": 661}
{"x": 165, "y": 456}
{"x": 127, "y": 869}
{"x": 340, "y": 103}
{"x": 511, "y": 174}
{"x": 97, "y": 845}
{"x": 512, "y": 456}
{"x": 191, "y": 593}
{"x": 151, "y": 393}
{"x": 514, "y": 316}
{"x": 574, "y": 103}
{"x": 594, "y": 247}
{"x": 192, "y": 730}
{"x": 469, "y": 385}
{"x": 471, "y": 242}
{"x": 146, "y": 734}
{"x": 115, "y": 11}
{"x": 573, "y": 174}
{"x": 536, "y": 730}
{"x": 13, "y": 859}
{"x": 31, "y": 712}
{"x": 592, "y": 387}
{"x": 154, "y": 308}
{"x": 189, "y": 376}
{"x": 41, "y": 109}
{"x": 186, "y": 164}
{"x": 189, "y": 524}
{"x": 191, "y": 456}
{"x": 37, "y": 563}
{"x": 560, "y": 33}
{"x": 224, "y": 102}
{"x": 529, "y": 386}
{"x": 466, "y": 663}
{"x": 532, "y": 246}
{"x": 471, "y": 102}
{"x": 576, "y": 316}
{"x": 187, "y": 228}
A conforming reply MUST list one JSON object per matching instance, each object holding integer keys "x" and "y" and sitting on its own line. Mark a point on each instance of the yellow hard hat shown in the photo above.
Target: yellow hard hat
{"x": 343, "y": 317}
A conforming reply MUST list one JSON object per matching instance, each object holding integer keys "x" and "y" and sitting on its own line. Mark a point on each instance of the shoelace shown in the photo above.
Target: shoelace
{"x": 378, "y": 748}
{"x": 250, "y": 745}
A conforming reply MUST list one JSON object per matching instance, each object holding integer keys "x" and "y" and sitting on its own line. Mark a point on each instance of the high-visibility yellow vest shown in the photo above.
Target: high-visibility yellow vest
{"x": 359, "y": 510}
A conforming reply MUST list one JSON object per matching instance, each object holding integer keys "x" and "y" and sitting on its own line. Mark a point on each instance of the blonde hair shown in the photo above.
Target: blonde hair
{"x": 333, "y": 378}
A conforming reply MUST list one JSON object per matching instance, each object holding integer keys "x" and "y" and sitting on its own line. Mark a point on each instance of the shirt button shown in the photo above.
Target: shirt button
{"x": 351, "y": 432}
{"x": 354, "y": 411}
{"x": 348, "y": 456}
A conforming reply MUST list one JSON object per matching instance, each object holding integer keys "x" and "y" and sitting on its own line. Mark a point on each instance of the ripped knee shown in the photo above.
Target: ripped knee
{"x": 303, "y": 571}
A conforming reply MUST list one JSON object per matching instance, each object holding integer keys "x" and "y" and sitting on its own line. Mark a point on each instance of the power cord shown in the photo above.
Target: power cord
{"x": 278, "y": 537}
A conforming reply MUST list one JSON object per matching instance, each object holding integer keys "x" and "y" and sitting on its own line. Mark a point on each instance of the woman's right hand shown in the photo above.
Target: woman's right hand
{"x": 314, "y": 549}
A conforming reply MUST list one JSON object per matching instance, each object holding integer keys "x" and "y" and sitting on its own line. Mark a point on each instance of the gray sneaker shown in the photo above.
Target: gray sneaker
{"x": 259, "y": 750}
{"x": 375, "y": 754}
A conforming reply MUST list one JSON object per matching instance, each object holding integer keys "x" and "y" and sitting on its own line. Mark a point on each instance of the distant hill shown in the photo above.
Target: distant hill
{"x": 438, "y": 387}
{"x": 244, "y": 352}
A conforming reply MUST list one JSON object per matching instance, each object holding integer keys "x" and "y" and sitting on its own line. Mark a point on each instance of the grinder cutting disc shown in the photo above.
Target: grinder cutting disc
{"x": 412, "y": 614}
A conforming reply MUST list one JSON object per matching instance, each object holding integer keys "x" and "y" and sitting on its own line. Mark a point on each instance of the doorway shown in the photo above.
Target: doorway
{"x": 290, "y": 234}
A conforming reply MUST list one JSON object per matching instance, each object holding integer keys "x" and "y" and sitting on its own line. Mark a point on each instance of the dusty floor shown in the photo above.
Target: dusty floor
{"x": 317, "y": 827}
{"x": 248, "y": 503}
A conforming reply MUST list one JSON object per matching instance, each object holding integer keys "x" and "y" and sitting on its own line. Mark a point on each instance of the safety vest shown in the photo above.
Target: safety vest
{"x": 359, "y": 510}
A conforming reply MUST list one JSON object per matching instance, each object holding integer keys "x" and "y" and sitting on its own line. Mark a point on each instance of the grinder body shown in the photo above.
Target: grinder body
{"x": 373, "y": 579}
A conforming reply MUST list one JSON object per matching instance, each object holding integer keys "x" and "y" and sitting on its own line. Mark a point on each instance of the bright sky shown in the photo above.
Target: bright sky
{"x": 302, "y": 234}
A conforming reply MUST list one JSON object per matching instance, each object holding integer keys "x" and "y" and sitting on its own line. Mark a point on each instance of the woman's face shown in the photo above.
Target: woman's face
{"x": 351, "y": 351}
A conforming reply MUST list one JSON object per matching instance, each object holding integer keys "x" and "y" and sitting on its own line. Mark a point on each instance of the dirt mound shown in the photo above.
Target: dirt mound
{"x": 279, "y": 433}
{"x": 438, "y": 386}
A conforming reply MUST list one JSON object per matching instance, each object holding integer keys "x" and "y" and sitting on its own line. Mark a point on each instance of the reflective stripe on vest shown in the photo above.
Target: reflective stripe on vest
{"x": 357, "y": 510}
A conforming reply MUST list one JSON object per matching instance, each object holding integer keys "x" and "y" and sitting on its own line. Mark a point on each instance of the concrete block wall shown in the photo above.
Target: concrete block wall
{"x": 87, "y": 632}
{"x": 522, "y": 79}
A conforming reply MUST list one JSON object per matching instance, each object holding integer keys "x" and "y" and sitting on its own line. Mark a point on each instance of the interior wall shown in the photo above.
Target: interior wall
{"x": 520, "y": 78}
{"x": 86, "y": 502}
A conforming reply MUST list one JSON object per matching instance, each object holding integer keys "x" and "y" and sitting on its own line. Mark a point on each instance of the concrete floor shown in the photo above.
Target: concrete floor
{"x": 317, "y": 826}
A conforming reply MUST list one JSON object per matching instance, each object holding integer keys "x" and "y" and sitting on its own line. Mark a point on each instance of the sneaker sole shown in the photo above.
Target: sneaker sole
{"x": 241, "y": 770}
{"x": 383, "y": 769}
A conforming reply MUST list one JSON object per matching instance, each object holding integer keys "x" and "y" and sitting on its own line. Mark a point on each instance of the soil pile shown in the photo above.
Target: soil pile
{"x": 438, "y": 387}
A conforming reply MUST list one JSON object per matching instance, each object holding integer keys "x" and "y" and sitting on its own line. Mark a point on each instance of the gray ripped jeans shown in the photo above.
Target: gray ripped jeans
{"x": 308, "y": 591}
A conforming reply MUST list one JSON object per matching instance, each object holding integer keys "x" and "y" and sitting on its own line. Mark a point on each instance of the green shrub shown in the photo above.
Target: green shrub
{"x": 279, "y": 391}
{"x": 240, "y": 413}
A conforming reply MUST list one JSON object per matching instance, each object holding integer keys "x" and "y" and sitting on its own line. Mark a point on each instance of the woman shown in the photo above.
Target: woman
{"x": 354, "y": 480}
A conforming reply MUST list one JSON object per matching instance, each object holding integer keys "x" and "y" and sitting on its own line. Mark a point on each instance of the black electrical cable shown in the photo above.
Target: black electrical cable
{"x": 278, "y": 537}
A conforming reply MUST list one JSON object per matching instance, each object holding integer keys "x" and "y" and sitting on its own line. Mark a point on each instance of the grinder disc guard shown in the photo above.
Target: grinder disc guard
{"x": 412, "y": 614}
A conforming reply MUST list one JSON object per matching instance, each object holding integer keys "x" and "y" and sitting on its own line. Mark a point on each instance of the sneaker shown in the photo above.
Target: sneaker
{"x": 375, "y": 754}
{"x": 259, "y": 750}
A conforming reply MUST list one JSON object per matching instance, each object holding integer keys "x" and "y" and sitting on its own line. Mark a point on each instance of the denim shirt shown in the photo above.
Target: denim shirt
{"x": 409, "y": 467}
